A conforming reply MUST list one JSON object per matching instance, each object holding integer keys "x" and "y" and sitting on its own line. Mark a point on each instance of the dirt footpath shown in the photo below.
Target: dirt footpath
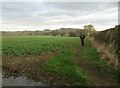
{"x": 96, "y": 78}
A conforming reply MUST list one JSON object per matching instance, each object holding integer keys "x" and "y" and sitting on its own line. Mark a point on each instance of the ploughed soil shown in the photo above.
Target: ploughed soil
{"x": 31, "y": 67}
{"x": 96, "y": 78}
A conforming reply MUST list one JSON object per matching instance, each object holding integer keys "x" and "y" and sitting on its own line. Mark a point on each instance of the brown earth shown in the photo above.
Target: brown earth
{"x": 16, "y": 64}
{"x": 96, "y": 78}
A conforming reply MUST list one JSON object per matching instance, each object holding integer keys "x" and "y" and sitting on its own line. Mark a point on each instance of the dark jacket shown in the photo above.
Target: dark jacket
{"x": 82, "y": 36}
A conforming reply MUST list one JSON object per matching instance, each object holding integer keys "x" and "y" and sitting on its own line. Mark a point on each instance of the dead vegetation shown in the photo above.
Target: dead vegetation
{"x": 107, "y": 43}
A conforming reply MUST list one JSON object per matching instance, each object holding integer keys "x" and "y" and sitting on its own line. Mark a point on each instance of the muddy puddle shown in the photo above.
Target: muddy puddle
{"x": 15, "y": 80}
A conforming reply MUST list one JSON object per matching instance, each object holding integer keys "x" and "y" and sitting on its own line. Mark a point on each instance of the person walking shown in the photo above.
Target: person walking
{"x": 82, "y": 37}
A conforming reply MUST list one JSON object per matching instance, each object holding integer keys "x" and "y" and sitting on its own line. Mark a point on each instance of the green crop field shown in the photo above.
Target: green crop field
{"x": 34, "y": 45}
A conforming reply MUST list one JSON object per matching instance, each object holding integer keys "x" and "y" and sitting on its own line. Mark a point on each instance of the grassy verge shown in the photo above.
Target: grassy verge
{"x": 90, "y": 54}
{"x": 64, "y": 66}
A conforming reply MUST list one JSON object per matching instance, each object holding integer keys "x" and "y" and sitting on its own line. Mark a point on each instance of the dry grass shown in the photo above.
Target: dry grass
{"x": 107, "y": 53}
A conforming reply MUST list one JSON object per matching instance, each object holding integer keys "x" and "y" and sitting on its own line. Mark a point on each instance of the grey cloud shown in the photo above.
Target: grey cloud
{"x": 55, "y": 13}
{"x": 22, "y": 9}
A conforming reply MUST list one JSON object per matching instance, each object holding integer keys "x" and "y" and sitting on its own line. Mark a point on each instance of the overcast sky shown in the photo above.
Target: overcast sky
{"x": 52, "y": 15}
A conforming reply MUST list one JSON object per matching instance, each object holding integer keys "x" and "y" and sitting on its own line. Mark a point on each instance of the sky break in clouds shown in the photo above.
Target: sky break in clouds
{"x": 53, "y": 15}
